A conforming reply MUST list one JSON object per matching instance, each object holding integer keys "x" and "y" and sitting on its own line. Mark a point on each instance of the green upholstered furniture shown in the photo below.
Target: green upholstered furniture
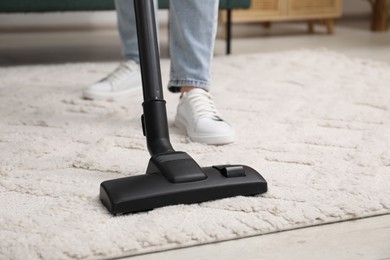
{"x": 28, "y": 6}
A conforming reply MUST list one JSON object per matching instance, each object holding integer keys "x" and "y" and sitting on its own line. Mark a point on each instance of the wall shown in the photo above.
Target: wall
{"x": 356, "y": 7}
{"x": 65, "y": 20}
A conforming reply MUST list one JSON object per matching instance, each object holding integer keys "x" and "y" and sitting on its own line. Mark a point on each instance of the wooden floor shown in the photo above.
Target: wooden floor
{"x": 361, "y": 239}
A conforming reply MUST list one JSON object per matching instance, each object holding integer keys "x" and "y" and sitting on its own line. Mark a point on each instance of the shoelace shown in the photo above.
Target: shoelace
{"x": 203, "y": 106}
{"x": 119, "y": 74}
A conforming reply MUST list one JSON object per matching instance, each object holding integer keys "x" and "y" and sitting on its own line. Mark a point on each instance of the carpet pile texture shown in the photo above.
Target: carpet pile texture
{"x": 314, "y": 123}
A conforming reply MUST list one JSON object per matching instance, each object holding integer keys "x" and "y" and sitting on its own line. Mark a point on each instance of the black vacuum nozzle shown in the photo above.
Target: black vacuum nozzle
{"x": 153, "y": 190}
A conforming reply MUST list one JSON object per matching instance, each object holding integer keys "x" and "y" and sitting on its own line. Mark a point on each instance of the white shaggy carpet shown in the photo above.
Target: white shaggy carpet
{"x": 315, "y": 124}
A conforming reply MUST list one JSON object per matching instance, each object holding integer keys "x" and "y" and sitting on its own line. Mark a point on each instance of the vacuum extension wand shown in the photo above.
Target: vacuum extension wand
{"x": 172, "y": 177}
{"x": 154, "y": 103}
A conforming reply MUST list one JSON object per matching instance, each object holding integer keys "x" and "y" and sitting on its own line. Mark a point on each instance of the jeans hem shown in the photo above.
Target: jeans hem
{"x": 175, "y": 85}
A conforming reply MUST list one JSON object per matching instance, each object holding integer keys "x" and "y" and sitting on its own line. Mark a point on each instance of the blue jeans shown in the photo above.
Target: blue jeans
{"x": 193, "y": 27}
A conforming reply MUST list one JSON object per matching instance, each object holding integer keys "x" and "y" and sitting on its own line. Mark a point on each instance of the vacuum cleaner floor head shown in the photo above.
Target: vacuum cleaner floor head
{"x": 152, "y": 190}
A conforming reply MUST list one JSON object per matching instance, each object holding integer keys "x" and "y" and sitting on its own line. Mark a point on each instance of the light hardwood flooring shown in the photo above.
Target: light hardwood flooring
{"x": 360, "y": 239}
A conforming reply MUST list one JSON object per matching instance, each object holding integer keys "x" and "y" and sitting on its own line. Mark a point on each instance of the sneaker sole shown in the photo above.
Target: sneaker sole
{"x": 206, "y": 139}
{"x": 111, "y": 96}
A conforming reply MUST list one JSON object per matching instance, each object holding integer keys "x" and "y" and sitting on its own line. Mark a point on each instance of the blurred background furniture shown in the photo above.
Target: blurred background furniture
{"x": 380, "y": 15}
{"x": 266, "y": 11}
{"x": 33, "y": 6}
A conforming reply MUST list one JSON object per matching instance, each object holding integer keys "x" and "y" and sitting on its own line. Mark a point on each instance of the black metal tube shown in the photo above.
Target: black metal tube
{"x": 155, "y": 120}
{"x": 148, "y": 50}
{"x": 228, "y": 31}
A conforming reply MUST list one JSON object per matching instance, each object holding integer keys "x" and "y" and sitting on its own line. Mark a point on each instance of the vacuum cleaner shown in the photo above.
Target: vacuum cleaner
{"x": 172, "y": 177}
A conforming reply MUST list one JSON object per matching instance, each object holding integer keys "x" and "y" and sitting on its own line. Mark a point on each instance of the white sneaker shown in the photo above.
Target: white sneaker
{"x": 197, "y": 114}
{"x": 125, "y": 80}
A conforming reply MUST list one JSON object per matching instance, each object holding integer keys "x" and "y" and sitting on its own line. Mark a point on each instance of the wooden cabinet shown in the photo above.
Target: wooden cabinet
{"x": 284, "y": 10}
